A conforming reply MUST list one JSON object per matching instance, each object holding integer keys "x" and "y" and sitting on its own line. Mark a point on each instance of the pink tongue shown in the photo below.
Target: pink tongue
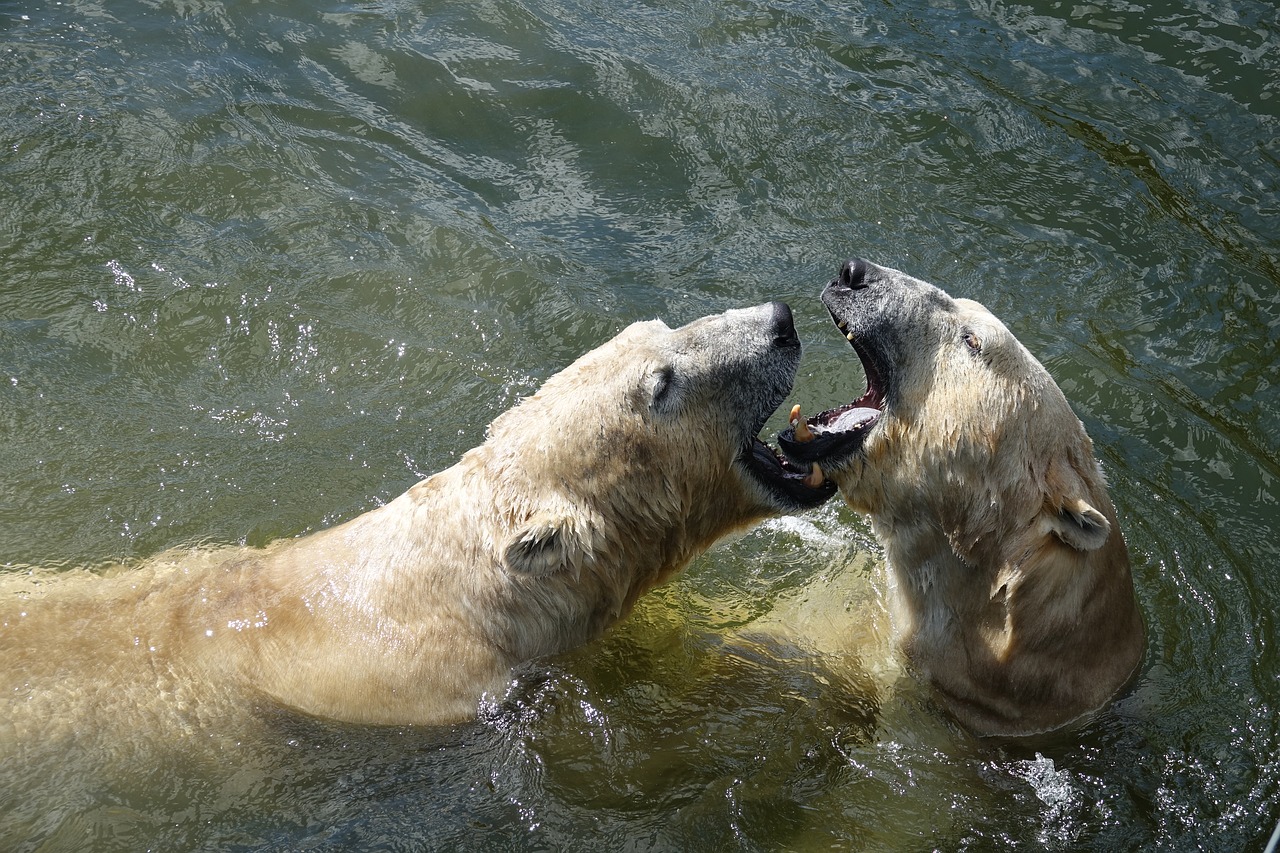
{"x": 851, "y": 419}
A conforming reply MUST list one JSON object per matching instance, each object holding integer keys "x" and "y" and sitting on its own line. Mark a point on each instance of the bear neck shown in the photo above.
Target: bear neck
{"x": 373, "y": 615}
{"x": 1013, "y": 650}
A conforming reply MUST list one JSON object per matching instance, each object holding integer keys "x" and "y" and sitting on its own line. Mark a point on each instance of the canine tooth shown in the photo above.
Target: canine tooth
{"x": 815, "y": 478}
{"x": 802, "y": 432}
{"x": 849, "y": 337}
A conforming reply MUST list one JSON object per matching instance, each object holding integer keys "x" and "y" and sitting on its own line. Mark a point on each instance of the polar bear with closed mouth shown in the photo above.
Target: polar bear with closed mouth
{"x": 610, "y": 478}
{"x": 1013, "y": 587}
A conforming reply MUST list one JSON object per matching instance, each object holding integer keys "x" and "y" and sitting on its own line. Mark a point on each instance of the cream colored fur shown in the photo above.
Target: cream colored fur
{"x": 612, "y": 477}
{"x": 1014, "y": 593}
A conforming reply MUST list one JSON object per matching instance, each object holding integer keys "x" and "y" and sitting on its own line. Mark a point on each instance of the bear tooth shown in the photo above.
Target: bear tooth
{"x": 802, "y": 431}
{"x": 815, "y": 478}
{"x": 849, "y": 337}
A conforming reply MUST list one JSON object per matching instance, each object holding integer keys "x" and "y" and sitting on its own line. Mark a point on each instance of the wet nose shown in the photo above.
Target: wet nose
{"x": 853, "y": 274}
{"x": 784, "y": 328}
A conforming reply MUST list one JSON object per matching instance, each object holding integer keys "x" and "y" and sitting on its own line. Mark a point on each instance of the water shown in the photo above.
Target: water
{"x": 268, "y": 264}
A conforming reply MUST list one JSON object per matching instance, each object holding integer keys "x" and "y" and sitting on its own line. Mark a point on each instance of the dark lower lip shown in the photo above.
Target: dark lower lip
{"x": 784, "y": 480}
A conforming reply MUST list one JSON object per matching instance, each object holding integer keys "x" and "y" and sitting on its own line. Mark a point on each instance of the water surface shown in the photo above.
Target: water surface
{"x": 268, "y": 264}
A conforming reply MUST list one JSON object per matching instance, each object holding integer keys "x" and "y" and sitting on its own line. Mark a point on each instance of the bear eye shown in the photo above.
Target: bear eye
{"x": 972, "y": 341}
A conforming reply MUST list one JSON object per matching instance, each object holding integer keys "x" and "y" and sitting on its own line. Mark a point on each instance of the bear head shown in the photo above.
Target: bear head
{"x": 959, "y": 423}
{"x": 650, "y": 441}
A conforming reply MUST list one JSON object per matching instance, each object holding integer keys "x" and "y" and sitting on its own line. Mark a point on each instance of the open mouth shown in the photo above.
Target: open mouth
{"x": 797, "y": 486}
{"x": 791, "y": 486}
{"x": 830, "y": 438}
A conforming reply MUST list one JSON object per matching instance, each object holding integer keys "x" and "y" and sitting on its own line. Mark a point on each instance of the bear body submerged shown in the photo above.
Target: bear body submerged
{"x": 1013, "y": 587}
{"x": 612, "y": 477}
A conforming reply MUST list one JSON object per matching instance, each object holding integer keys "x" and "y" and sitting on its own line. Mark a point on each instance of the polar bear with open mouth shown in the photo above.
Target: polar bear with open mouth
{"x": 1013, "y": 587}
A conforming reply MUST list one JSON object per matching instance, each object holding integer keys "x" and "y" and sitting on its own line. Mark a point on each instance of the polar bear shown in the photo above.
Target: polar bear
{"x": 601, "y": 485}
{"x": 1013, "y": 590}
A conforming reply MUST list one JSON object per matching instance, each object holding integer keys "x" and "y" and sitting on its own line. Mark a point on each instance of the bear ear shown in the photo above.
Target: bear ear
{"x": 663, "y": 387}
{"x": 545, "y": 545}
{"x": 1080, "y": 525}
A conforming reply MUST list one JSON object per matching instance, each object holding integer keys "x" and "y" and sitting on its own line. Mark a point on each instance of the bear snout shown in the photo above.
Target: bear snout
{"x": 852, "y": 275}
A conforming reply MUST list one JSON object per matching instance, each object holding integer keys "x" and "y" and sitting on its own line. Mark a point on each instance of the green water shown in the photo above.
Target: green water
{"x": 267, "y": 264}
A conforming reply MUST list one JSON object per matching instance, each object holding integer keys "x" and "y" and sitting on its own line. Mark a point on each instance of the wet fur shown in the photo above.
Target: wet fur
{"x": 604, "y": 483}
{"x": 1014, "y": 594}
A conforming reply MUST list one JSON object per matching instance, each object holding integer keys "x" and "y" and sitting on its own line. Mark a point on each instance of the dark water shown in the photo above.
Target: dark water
{"x": 266, "y": 264}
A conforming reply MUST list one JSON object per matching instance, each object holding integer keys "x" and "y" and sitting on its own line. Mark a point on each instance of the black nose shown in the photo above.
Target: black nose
{"x": 853, "y": 274}
{"x": 784, "y": 328}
